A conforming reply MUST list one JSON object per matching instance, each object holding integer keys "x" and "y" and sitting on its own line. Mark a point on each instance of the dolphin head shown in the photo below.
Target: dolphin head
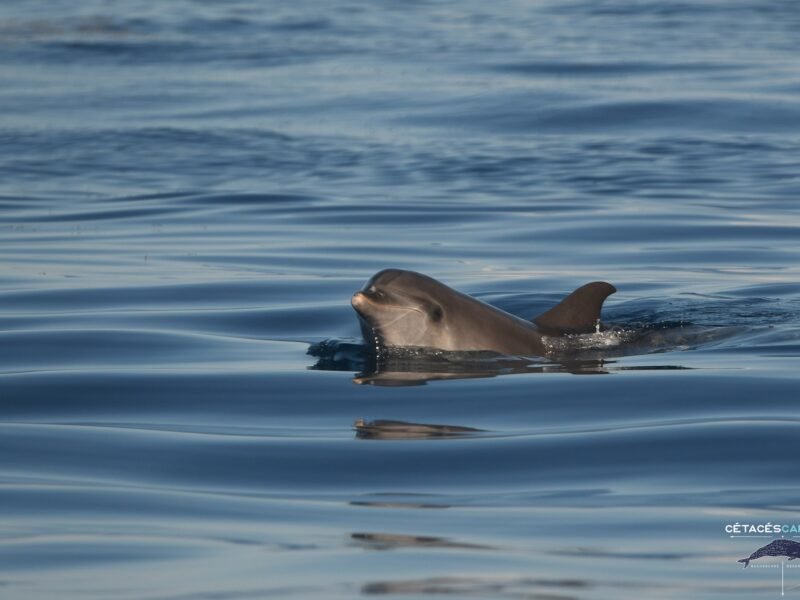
{"x": 402, "y": 308}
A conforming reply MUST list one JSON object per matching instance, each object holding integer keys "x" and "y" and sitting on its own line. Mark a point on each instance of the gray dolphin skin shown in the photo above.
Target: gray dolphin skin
{"x": 400, "y": 309}
{"x": 777, "y": 548}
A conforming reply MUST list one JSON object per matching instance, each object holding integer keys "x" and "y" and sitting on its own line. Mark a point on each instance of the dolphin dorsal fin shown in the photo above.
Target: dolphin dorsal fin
{"x": 578, "y": 312}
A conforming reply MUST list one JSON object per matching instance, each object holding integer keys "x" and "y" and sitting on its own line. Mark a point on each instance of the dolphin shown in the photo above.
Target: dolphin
{"x": 401, "y": 309}
{"x": 777, "y": 548}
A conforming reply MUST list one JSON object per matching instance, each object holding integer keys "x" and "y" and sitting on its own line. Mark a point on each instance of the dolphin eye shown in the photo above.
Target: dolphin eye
{"x": 373, "y": 291}
{"x": 436, "y": 314}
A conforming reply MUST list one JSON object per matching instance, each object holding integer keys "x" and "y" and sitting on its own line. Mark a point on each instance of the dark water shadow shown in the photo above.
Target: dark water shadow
{"x": 541, "y": 589}
{"x": 397, "y": 504}
{"x": 392, "y": 541}
{"x": 601, "y": 553}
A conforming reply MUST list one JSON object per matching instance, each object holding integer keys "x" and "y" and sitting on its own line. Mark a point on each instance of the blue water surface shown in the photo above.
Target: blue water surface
{"x": 191, "y": 191}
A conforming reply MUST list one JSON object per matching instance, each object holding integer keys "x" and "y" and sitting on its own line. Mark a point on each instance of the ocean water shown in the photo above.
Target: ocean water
{"x": 191, "y": 191}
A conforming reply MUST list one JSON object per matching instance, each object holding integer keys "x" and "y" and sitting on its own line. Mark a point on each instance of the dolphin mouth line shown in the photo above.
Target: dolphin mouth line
{"x": 376, "y": 328}
{"x": 400, "y": 316}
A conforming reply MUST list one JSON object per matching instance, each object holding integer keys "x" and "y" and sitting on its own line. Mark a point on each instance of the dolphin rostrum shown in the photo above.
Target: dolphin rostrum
{"x": 399, "y": 309}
